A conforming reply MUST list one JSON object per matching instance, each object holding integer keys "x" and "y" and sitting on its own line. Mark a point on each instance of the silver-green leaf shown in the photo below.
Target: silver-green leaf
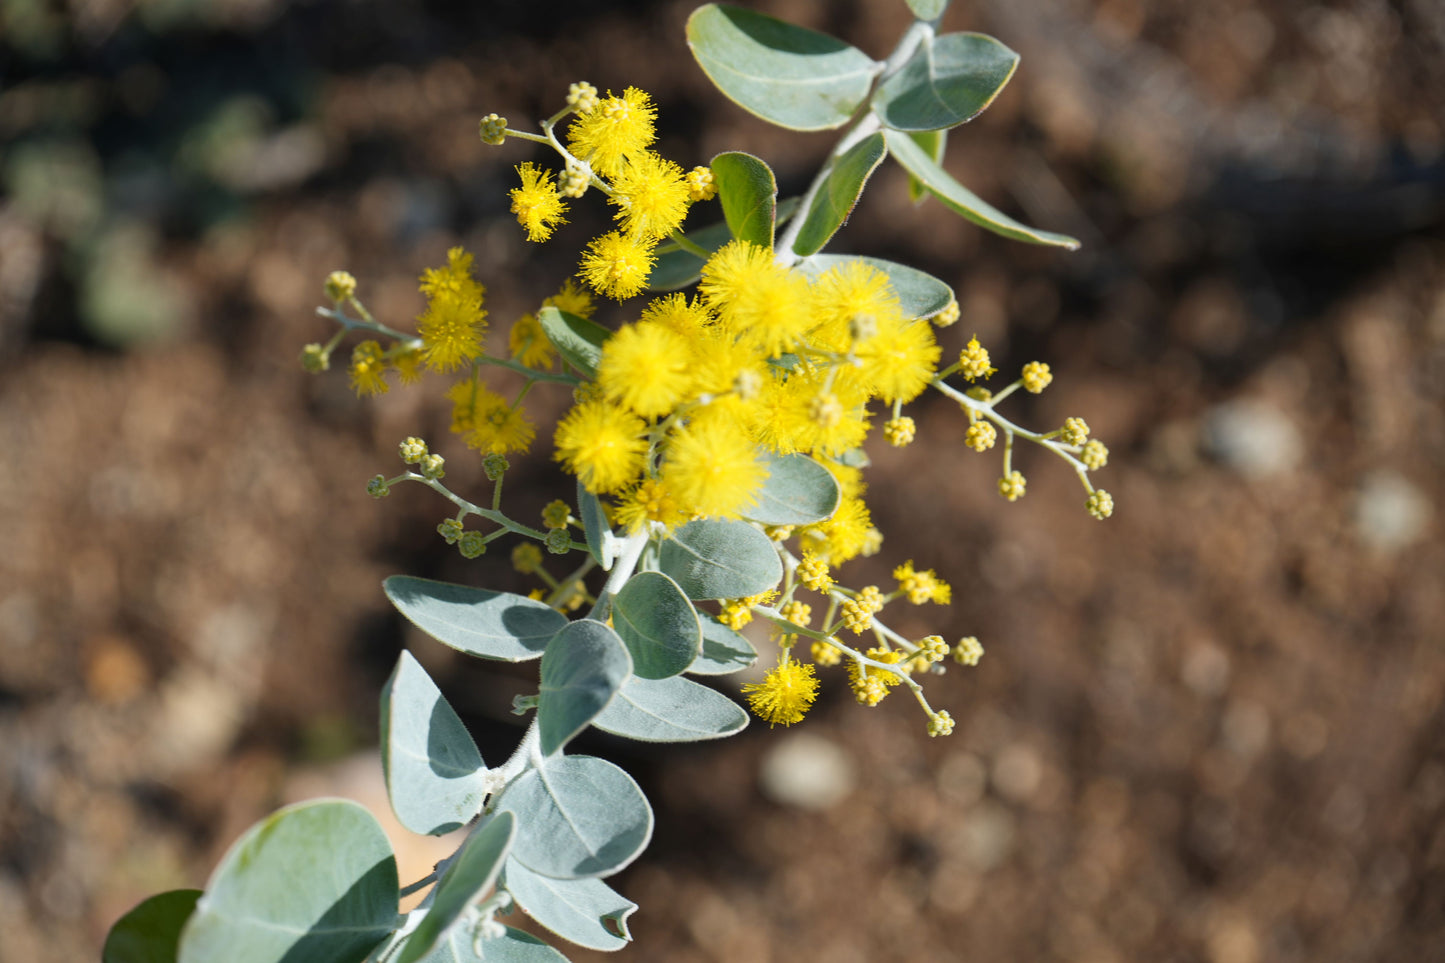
{"x": 928, "y": 9}
{"x": 578, "y": 910}
{"x": 839, "y": 194}
{"x": 933, "y": 142}
{"x": 723, "y": 650}
{"x": 948, "y": 80}
{"x": 577, "y": 339}
{"x": 785, "y": 74}
{"x": 658, "y": 625}
{"x": 717, "y": 559}
{"x": 961, "y": 200}
{"x": 580, "y": 817}
{"x": 150, "y": 931}
{"x": 799, "y": 491}
{"x": 315, "y": 881}
{"x": 585, "y": 664}
{"x": 749, "y": 196}
{"x": 920, "y": 295}
{"x": 513, "y": 946}
{"x": 480, "y": 622}
{"x": 671, "y": 710}
{"x": 434, "y": 773}
{"x": 469, "y": 874}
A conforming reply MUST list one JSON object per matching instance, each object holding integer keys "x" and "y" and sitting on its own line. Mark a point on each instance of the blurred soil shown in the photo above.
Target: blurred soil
{"x": 1210, "y": 729}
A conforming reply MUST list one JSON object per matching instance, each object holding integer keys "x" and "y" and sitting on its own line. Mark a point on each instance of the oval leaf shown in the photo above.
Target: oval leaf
{"x": 585, "y": 664}
{"x": 514, "y": 946}
{"x": 577, "y": 339}
{"x": 433, "y": 769}
{"x": 671, "y": 710}
{"x": 580, "y": 817}
{"x": 315, "y": 882}
{"x": 839, "y": 193}
{"x": 600, "y": 540}
{"x": 575, "y": 909}
{"x": 723, "y": 650}
{"x": 799, "y": 491}
{"x": 149, "y": 933}
{"x": 961, "y": 200}
{"x": 471, "y": 872}
{"x": 658, "y": 625}
{"x": 920, "y": 295}
{"x": 928, "y": 9}
{"x": 715, "y": 559}
{"x": 749, "y": 196}
{"x": 947, "y": 81}
{"x": 480, "y": 622}
{"x": 787, "y": 75}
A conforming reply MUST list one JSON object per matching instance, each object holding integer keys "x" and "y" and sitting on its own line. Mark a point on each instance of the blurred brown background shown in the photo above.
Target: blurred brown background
{"x": 1209, "y": 729}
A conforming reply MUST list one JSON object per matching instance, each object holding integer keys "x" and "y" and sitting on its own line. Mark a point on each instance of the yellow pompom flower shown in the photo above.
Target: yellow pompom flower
{"x": 452, "y": 326}
{"x": 368, "y": 369}
{"x": 536, "y": 203}
{"x": 617, "y": 265}
{"x": 898, "y": 360}
{"x": 529, "y": 345}
{"x": 847, "y": 534}
{"x": 574, "y": 299}
{"x": 849, "y": 297}
{"x": 712, "y": 466}
{"x": 785, "y": 694}
{"x": 613, "y": 131}
{"x": 674, "y": 311}
{"x": 650, "y": 501}
{"x": 602, "y": 444}
{"x": 498, "y": 427}
{"x": 755, "y": 298}
{"x": 651, "y": 197}
{"x": 645, "y": 367}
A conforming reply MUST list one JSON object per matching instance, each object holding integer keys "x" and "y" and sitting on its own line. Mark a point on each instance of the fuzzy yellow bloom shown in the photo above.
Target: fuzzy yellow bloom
{"x": 574, "y": 299}
{"x": 602, "y": 444}
{"x": 498, "y": 427}
{"x": 617, "y": 265}
{"x": 538, "y": 206}
{"x": 651, "y": 197}
{"x": 798, "y": 414}
{"x": 899, "y": 359}
{"x": 645, "y": 367}
{"x": 713, "y": 467}
{"x": 755, "y": 298}
{"x": 785, "y": 694}
{"x": 650, "y": 501}
{"x": 452, "y": 326}
{"x": 674, "y": 311}
{"x": 529, "y": 345}
{"x": 922, "y": 586}
{"x": 368, "y": 369}
{"x": 847, "y": 534}
{"x": 613, "y": 131}
{"x": 849, "y": 297}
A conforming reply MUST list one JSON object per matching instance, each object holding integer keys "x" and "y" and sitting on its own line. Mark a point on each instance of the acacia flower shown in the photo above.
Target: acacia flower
{"x": 602, "y": 444}
{"x": 451, "y": 328}
{"x": 898, "y": 360}
{"x": 536, "y": 203}
{"x": 650, "y": 501}
{"x": 651, "y": 197}
{"x": 528, "y": 343}
{"x": 499, "y": 427}
{"x": 368, "y": 369}
{"x": 614, "y": 130}
{"x": 617, "y": 265}
{"x": 713, "y": 467}
{"x": 785, "y": 694}
{"x": 645, "y": 367}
